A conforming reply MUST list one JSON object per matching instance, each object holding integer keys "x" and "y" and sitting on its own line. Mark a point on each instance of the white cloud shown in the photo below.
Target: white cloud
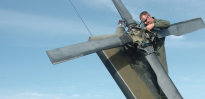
{"x": 75, "y": 96}
{"x": 88, "y": 95}
{"x": 31, "y": 94}
{"x": 183, "y": 42}
{"x": 57, "y": 98}
{"x": 98, "y": 95}
{"x": 36, "y": 94}
{"x": 175, "y": 37}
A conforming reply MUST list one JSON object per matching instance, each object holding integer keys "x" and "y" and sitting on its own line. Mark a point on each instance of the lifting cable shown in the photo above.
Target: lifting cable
{"x": 81, "y": 18}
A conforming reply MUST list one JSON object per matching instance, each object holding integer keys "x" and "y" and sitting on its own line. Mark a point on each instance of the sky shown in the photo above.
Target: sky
{"x": 28, "y": 28}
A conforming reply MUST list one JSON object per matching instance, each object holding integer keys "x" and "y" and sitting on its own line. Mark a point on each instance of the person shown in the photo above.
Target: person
{"x": 151, "y": 22}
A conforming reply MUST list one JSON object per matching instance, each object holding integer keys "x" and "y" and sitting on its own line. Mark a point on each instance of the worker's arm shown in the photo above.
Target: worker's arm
{"x": 158, "y": 23}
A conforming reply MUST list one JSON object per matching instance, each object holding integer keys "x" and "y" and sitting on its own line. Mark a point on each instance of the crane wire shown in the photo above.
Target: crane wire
{"x": 81, "y": 18}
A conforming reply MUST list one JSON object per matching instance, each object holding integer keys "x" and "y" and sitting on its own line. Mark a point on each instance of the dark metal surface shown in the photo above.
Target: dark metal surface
{"x": 119, "y": 80}
{"x": 74, "y": 51}
{"x": 148, "y": 76}
{"x": 163, "y": 79}
{"x": 181, "y": 28}
{"x": 126, "y": 38}
{"x": 125, "y": 14}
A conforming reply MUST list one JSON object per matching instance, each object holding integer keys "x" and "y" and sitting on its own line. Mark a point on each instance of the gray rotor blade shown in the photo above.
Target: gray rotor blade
{"x": 125, "y": 14}
{"x": 163, "y": 79}
{"x": 74, "y": 51}
{"x": 181, "y": 28}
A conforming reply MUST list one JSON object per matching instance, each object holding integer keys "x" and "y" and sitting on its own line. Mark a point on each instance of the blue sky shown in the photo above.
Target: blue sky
{"x": 29, "y": 28}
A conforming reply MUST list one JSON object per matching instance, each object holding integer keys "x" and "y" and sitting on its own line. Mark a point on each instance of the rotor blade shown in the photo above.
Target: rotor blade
{"x": 125, "y": 14}
{"x": 181, "y": 28}
{"x": 163, "y": 79}
{"x": 74, "y": 51}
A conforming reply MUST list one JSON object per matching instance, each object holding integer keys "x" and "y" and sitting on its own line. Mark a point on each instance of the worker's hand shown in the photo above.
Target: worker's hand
{"x": 150, "y": 26}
